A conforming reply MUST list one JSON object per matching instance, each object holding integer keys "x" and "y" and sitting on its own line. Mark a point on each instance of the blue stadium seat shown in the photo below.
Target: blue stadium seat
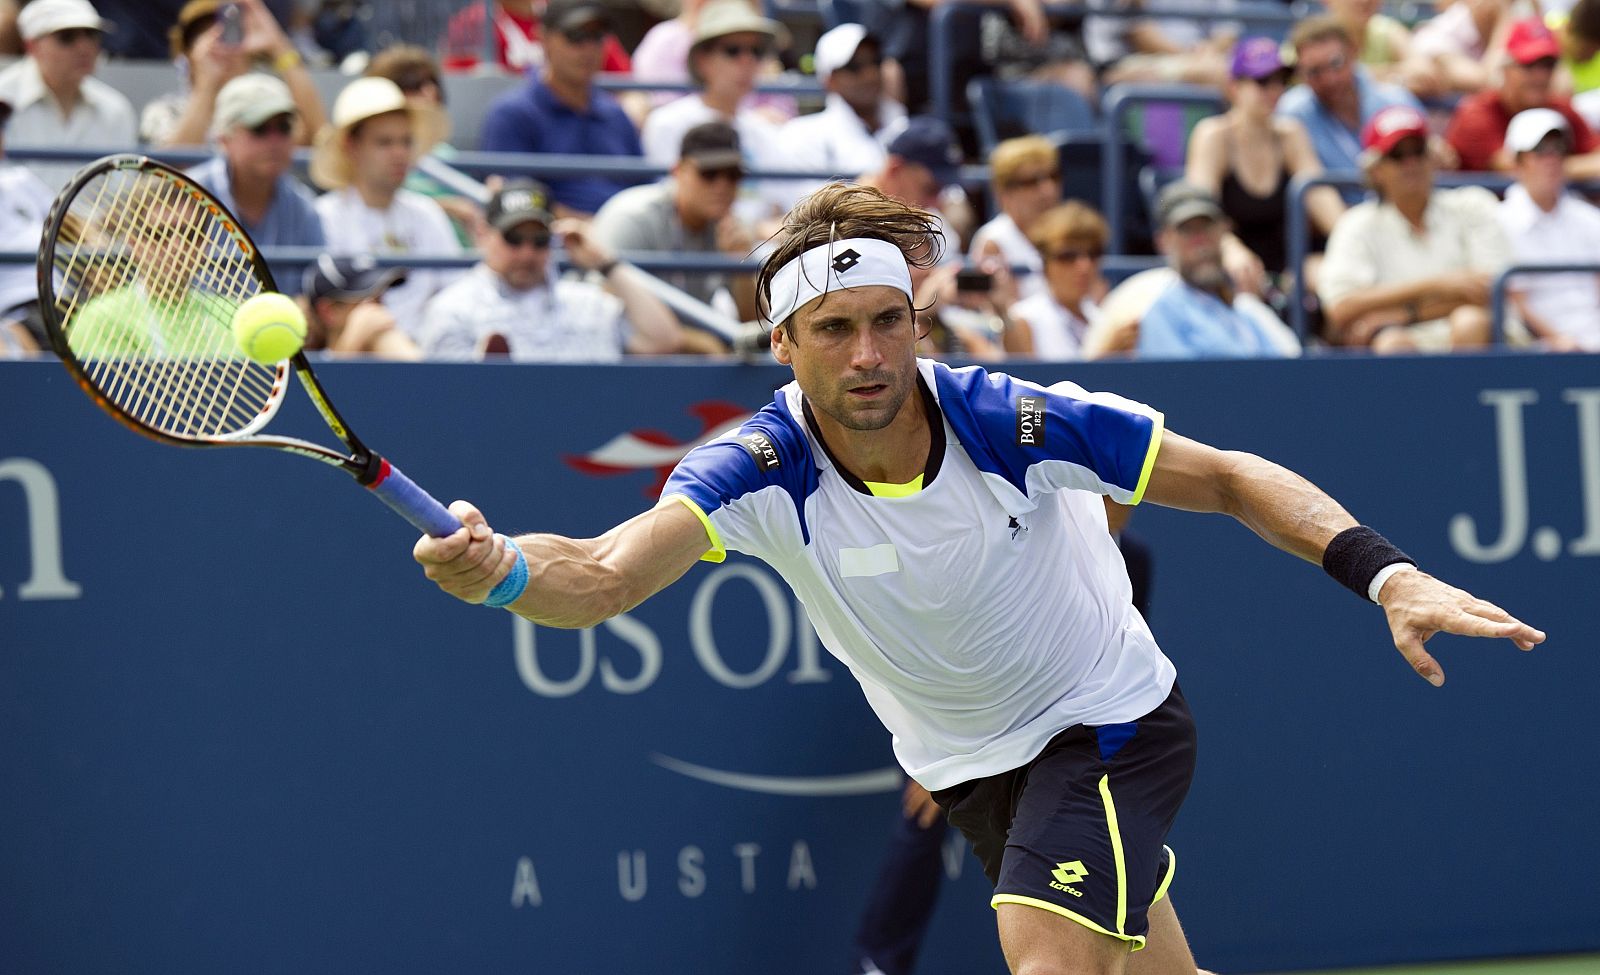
{"x": 875, "y": 15}
{"x": 1004, "y": 109}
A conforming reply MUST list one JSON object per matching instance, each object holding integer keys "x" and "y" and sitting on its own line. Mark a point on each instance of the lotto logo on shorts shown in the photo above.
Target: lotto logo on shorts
{"x": 760, "y": 448}
{"x": 1067, "y": 874}
{"x": 1030, "y": 421}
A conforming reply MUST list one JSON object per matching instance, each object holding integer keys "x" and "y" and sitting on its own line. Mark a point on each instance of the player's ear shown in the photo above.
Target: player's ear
{"x": 780, "y": 345}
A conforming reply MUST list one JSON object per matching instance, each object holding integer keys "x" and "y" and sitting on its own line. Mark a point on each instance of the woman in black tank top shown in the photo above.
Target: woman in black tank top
{"x": 1246, "y": 157}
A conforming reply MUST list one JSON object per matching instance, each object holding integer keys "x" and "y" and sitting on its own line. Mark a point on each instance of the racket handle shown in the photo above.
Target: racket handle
{"x": 412, "y": 503}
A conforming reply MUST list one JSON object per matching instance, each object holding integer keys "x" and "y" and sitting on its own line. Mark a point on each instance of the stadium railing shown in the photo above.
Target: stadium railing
{"x": 1499, "y": 292}
{"x": 1117, "y": 103}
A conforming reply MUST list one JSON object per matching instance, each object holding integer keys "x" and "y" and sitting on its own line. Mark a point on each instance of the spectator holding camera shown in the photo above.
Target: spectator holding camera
{"x": 1025, "y": 174}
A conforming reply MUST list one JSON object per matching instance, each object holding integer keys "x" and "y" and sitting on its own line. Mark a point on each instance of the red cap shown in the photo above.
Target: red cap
{"x": 1530, "y": 40}
{"x": 1385, "y": 129}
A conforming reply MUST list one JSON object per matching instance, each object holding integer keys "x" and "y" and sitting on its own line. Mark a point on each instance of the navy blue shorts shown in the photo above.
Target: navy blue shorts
{"x": 1080, "y": 831}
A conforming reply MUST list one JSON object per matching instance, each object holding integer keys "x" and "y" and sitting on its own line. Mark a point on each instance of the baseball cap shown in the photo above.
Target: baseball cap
{"x": 518, "y": 201}
{"x": 1257, "y": 58}
{"x": 1529, "y": 40}
{"x": 348, "y": 278}
{"x": 43, "y": 17}
{"x": 835, "y": 48}
{"x": 1180, "y": 201}
{"x": 712, "y": 145}
{"x": 249, "y": 100}
{"x": 719, "y": 18}
{"x": 1528, "y": 128}
{"x": 928, "y": 141}
{"x": 1385, "y": 130}
{"x": 571, "y": 14}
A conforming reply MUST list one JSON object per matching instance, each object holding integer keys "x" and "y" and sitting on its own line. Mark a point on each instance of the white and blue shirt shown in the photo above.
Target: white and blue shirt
{"x": 983, "y": 612}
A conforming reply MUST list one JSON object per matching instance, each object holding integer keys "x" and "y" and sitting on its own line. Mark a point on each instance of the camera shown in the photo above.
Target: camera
{"x": 974, "y": 279}
{"x": 232, "y": 19}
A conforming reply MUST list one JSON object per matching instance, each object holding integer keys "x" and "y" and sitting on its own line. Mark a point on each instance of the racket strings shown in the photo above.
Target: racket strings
{"x": 146, "y": 280}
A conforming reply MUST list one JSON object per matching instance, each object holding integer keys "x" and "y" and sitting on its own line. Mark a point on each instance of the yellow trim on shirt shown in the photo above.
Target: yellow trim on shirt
{"x": 1149, "y": 459}
{"x": 880, "y": 489}
{"x": 1137, "y": 940}
{"x": 717, "y": 552}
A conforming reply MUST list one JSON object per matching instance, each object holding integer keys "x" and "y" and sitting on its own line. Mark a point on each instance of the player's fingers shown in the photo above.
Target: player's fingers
{"x": 1524, "y": 636}
{"x": 1470, "y": 624}
{"x": 471, "y": 517}
{"x": 1410, "y": 647}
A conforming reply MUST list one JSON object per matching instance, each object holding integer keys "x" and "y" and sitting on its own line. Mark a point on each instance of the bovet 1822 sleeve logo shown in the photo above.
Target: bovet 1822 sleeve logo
{"x": 760, "y": 448}
{"x": 1030, "y": 421}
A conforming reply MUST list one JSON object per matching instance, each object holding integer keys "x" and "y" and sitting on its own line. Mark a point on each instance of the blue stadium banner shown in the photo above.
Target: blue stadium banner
{"x": 240, "y": 732}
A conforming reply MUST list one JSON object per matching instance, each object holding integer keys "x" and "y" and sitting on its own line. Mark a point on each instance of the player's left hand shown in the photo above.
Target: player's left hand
{"x": 1419, "y": 606}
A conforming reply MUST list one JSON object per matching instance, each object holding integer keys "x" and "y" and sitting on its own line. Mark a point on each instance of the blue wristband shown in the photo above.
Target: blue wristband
{"x": 516, "y": 581}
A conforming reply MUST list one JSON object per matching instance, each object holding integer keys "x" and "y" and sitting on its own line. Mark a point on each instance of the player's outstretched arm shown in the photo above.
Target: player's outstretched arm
{"x": 1298, "y": 517}
{"x": 571, "y": 582}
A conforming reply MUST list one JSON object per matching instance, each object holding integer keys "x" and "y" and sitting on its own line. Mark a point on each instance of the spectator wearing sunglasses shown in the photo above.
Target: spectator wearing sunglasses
{"x": 1411, "y": 270}
{"x": 55, "y": 99}
{"x": 512, "y": 303}
{"x": 731, "y": 47}
{"x": 1025, "y": 174}
{"x": 1478, "y": 127}
{"x": 343, "y": 298}
{"x": 560, "y": 109}
{"x": 1246, "y": 158}
{"x": 253, "y": 124}
{"x": 1338, "y": 96}
{"x": 1052, "y": 323}
{"x": 206, "y": 62}
{"x": 845, "y": 138}
{"x": 690, "y": 212}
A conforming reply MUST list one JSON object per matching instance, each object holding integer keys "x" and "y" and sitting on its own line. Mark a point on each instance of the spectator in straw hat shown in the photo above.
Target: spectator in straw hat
{"x": 363, "y": 157}
{"x": 253, "y": 124}
{"x": 55, "y": 99}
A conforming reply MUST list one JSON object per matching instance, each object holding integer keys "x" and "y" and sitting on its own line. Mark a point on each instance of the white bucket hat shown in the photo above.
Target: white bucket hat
{"x": 360, "y": 100}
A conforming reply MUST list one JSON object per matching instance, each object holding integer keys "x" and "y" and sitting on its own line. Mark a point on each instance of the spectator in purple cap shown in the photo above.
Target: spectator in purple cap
{"x": 1246, "y": 156}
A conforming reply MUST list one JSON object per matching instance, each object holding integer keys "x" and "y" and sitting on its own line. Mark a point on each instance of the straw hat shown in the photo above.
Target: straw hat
{"x": 362, "y": 99}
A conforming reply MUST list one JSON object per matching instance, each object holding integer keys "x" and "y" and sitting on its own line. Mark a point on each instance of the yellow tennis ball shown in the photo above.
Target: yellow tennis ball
{"x": 269, "y": 327}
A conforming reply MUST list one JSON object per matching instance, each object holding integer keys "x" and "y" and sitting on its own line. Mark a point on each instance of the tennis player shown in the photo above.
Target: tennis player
{"x": 943, "y": 529}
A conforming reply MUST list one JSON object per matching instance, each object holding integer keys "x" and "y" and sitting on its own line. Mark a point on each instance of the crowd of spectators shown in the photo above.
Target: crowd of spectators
{"x": 1403, "y": 263}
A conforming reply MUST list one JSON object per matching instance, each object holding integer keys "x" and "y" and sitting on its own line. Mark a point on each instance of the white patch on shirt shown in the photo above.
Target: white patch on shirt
{"x": 875, "y": 561}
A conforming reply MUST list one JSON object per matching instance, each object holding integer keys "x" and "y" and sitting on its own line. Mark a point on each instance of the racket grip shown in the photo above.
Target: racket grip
{"x": 412, "y": 503}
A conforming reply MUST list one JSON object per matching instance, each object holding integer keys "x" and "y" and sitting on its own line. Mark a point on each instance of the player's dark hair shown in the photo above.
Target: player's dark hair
{"x": 843, "y": 210}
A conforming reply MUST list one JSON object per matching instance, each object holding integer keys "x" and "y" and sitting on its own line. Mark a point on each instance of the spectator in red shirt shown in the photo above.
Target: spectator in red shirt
{"x": 1478, "y": 128}
{"x": 517, "y": 39}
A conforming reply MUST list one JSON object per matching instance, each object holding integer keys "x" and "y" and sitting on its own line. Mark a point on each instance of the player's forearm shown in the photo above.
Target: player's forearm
{"x": 1282, "y": 507}
{"x": 570, "y": 584}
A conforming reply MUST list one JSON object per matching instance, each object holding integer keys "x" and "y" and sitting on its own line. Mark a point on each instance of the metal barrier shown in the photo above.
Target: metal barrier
{"x": 1498, "y": 293}
{"x": 1117, "y": 102}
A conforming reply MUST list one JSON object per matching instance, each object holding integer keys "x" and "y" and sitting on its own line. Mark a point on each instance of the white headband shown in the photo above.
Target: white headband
{"x": 852, "y": 263}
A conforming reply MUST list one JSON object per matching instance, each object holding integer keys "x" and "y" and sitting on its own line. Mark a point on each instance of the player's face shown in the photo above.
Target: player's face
{"x": 852, "y": 352}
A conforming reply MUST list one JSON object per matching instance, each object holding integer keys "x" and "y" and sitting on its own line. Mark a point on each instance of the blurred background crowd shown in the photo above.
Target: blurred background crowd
{"x": 585, "y": 180}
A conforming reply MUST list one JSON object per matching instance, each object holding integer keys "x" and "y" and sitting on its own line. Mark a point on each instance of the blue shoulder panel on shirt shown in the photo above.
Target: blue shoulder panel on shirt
{"x": 769, "y": 449}
{"x": 1007, "y": 427}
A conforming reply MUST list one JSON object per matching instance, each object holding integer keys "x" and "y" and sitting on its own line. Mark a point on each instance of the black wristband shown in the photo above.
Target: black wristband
{"x": 1357, "y": 554}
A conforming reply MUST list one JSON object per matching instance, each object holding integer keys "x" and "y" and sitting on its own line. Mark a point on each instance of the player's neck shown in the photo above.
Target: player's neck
{"x": 894, "y": 454}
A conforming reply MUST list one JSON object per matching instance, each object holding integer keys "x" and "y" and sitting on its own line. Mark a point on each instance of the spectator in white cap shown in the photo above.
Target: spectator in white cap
{"x": 363, "y": 157}
{"x": 1411, "y": 270}
{"x": 56, "y": 102}
{"x": 1548, "y": 225}
{"x": 845, "y": 137}
{"x": 254, "y": 125}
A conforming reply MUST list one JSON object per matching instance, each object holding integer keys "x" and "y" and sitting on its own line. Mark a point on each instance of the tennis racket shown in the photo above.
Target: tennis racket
{"x": 139, "y": 275}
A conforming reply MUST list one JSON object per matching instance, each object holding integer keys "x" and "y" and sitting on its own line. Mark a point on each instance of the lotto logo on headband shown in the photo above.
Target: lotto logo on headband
{"x": 846, "y": 261}
{"x": 1030, "y": 421}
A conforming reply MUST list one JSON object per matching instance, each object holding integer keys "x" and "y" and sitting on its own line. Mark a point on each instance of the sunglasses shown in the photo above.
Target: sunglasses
{"x": 277, "y": 125}
{"x": 73, "y": 35}
{"x": 594, "y": 35}
{"x": 1543, "y": 64}
{"x": 413, "y": 83}
{"x": 1072, "y": 255}
{"x": 1277, "y": 79}
{"x": 1030, "y": 181}
{"x": 732, "y": 174}
{"x": 861, "y": 64}
{"x": 1335, "y": 63}
{"x": 526, "y": 238}
{"x": 735, "y": 51}
{"x": 1407, "y": 150}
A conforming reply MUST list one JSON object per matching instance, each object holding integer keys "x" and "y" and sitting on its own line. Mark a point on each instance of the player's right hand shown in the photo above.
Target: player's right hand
{"x": 469, "y": 562}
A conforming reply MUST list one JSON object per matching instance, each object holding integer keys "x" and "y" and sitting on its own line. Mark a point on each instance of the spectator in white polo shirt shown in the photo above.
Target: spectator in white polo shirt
{"x": 513, "y": 304}
{"x": 56, "y": 101}
{"x": 846, "y": 137}
{"x": 363, "y": 157}
{"x": 24, "y": 203}
{"x": 1548, "y": 225}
